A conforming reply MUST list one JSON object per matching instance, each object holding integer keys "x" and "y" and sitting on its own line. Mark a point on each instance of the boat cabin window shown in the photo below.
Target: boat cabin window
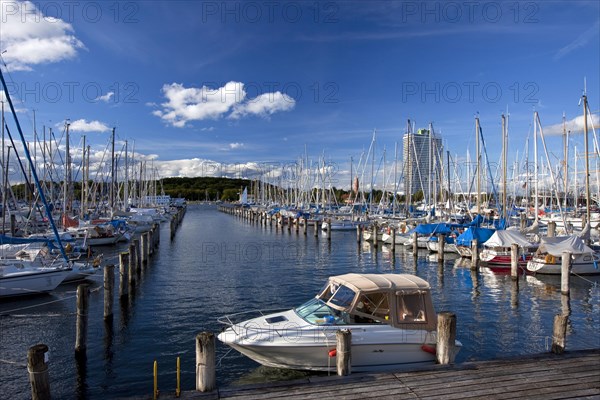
{"x": 411, "y": 308}
{"x": 338, "y": 295}
{"x": 316, "y": 312}
{"x": 372, "y": 308}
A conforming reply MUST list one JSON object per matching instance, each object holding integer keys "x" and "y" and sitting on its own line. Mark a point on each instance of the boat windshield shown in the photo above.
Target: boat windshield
{"x": 338, "y": 295}
{"x": 317, "y": 312}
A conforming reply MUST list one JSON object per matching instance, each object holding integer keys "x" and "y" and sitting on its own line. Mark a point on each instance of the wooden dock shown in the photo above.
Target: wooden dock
{"x": 573, "y": 374}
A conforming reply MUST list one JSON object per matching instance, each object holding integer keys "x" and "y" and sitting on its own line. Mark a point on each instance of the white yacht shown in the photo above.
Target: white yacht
{"x": 391, "y": 317}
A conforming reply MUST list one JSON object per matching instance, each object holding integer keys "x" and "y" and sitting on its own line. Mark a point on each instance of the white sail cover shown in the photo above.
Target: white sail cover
{"x": 505, "y": 238}
{"x": 556, "y": 245}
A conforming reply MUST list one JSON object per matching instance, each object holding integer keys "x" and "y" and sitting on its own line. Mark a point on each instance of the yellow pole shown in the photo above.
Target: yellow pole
{"x": 178, "y": 390}
{"x": 155, "y": 380}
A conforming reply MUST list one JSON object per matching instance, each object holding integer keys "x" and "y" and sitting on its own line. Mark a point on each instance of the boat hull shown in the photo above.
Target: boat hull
{"x": 31, "y": 282}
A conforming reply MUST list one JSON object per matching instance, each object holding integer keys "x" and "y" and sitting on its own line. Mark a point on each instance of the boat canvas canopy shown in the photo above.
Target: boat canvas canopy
{"x": 365, "y": 283}
{"x": 481, "y": 234}
{"x": 505, "y": 238}
{"x": 429, "y": 229}
{"x": 556, "y": 245}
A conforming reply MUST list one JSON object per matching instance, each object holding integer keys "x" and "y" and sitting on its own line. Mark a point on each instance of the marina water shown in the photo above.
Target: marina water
{"x": 219, "y": 264}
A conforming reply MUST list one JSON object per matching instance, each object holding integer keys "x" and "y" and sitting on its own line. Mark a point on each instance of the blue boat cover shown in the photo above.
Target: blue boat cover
{"x": 481, "y": 234}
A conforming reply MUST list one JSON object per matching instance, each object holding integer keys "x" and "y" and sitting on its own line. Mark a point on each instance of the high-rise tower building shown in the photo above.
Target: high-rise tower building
{"x": 422, "y": 168}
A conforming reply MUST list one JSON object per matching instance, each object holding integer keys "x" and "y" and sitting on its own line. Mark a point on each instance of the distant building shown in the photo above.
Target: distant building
{"x": 420, "y": 151}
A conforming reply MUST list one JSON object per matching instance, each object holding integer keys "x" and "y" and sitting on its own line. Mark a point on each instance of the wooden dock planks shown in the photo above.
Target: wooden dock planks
{"x": 546, "y": 376}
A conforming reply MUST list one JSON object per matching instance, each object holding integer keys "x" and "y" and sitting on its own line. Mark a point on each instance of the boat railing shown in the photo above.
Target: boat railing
{"x": 232, "y": 320}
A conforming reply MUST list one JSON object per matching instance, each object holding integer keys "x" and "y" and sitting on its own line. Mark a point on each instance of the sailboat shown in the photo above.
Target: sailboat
{"x": 22, "y": 272}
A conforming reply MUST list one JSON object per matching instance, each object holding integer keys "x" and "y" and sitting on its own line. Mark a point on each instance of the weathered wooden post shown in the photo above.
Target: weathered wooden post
{"x": 109, "y": 284}
{"x": 172, "y": 227}
{"x": 156, "y": 235}
{"x": 375, "y": 230}
{"x": 144, "y": 240}
{"x": 474, "y": 253}
{"x": 358, "y": 233}
{"x": 316, "y": 229}
{"x": 523, "y": 221}
{"x": 132, "y": 263}
{"x": 123, "y": 274}
{"x": 415, "y": 243}
{"x": 551, "y": 229}
{"x": 150, "y": 242}
{"x": 514, "y": 261}
{"x": 83, "y": 292}
{"x": 565, "y": 272}
{"x": 39, "y": 377}
{"x": 206, "y": 378}
{"x": 441, "y": 243}
{"x": 559, "y": 333}
{"x": 305, "y": 226}
{"x": 393, "y": 237}
{"x": 329, "y": 229}
{"x": 446, "y": 338}
{"x": 138, "y": 257}
{"x": 343, "y": 352}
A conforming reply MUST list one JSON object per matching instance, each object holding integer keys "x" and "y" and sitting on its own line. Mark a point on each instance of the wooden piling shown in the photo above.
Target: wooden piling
{"x": 565, "y": 272}
{"x": 150, "y": 245}
{"x": 474, "y": 254}
{"x": 441, "y": 243}
{"x": 415, "y": 243}
{"x": 522, "y": 221}
{"x": 39, "y": 377}
{"x": 559, "y": 333}
{"x": 109, "y": 284}
{"x": 144, "y": 248}
{"x": 393, "y": 235}
{"x": 446, "y": 338}
{"x": 374, "y": 233}
{"x": 343, "y": 352}
{"x": 132, "y": 263}
{"x": 329, "y": 229}
{"x": 138, "y": 257}
{"x": 358, "y": 234}
{"x": 123, "y": 274}
{"x": 514, "y": 261}
{"x": 305, "y": 226}
{"x": 83, "y": 292}
{"x": 206, "y": 378}
{"x": 551, "y": 229}
{"x": 316, "y": 230}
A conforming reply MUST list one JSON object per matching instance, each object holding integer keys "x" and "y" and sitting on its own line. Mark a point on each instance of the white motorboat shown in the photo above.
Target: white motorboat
{"x": 391, "y": 317}
{"x": 24, "y": 270}
{"x": 548, "y": 257}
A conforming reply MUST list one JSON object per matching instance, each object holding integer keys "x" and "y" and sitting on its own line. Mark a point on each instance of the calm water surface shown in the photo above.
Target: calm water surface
{"x": 218, "y": 264}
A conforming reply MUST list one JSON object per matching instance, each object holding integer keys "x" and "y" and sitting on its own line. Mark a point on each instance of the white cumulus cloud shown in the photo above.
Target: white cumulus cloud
{"x": 234, "y": 146}
{"x": 31, "y": 38}
{"x": 574, "y": 125}
{"x": 264, "y": 105}
{"x": 106, "y": 98}
{"x": 185, "y": 104}
{"x": 81, "y": 125}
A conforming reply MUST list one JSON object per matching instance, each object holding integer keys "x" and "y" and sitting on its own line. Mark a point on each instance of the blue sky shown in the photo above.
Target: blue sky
{"x": 240, "y": 82}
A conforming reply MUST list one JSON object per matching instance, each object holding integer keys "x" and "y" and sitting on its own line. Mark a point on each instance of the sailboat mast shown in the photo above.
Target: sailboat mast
{"x": 112, "y": 171}
{"x": 535, "y": 166}
{"x": 477, "y": 169}
{"x": 83, "y": 174}
{"x": 587, "y": 159}
{"x": 504, "y": 150}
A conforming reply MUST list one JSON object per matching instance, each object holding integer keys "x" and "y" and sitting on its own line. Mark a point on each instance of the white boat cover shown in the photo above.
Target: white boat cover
{"x": 377, "y": 282}
{"x": 556, "y": 245}
{"x": 505, "y": 238}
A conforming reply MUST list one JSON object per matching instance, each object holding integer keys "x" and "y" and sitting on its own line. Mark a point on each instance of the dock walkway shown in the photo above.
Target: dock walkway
{"x": 546, "y": 376}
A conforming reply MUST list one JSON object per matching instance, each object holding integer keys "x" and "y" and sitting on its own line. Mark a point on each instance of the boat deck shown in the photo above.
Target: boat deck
{"x": 546, "y": 376}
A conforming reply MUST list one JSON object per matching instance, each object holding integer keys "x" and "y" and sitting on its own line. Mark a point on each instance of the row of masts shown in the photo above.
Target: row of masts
{"x": 105, "y": 186}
